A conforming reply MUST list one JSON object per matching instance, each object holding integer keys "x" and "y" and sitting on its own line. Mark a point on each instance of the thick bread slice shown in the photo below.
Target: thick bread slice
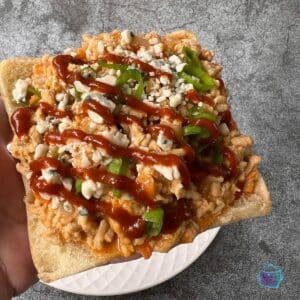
{"x": 56, "y": 261}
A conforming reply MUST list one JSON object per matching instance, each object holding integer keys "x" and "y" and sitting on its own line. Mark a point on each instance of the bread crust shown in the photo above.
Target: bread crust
{"x": 57, "y": 261}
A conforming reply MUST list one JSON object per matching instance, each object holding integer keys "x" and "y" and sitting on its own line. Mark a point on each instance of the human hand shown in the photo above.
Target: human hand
{"x": 17, "y": 272}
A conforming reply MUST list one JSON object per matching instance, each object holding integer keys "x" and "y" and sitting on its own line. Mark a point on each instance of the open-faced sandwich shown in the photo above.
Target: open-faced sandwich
{"x": 126, "y": 146}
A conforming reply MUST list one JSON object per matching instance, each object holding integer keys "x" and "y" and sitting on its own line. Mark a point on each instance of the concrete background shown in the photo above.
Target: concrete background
{"x": 258, "y": 44}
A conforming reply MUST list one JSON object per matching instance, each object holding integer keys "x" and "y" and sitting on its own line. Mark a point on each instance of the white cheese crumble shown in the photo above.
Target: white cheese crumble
{"x": 90, "y": 189}
{"x": 42, "y": 126}
{"x": 82, "y": 211}
{"x": 169, "y": 173}
{"x": 80, "y": 87}
{"x": 67, "y": 206}
{"x": 20, "y": 90}
{"x": 108, "y": 79}
{"x": 100, "y": 98}
{"x": 144, "y": 54}
{"x": 175, "y": 100}
{"x": 95, "y": 117}
{"x": 40, "y": 151}
{"x": 163, "y": 142}
{"x": 64, "y": 124}
{"x": 51, "y": 176}
{"x": 180, "y": 67}
{"x": 117, "y": 138}
{"x": 175, "y": 59}
{"x": 55, "y": 202}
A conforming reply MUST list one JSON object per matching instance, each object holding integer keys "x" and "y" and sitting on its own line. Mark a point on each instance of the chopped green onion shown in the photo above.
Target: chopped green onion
{"x": 194, "y": 68}
{"x": 154, "y": 219}
{"x": 195, "y": 129}
{"x": 120, "y": 67}
{"x": 217, "y": 155}
{"x": 78, "y": 184}
{"x": 118, "y": 166}
{"x": 132, "y": 75}
{"x": 197, "y": 112}
{"x": 117, "y": 193}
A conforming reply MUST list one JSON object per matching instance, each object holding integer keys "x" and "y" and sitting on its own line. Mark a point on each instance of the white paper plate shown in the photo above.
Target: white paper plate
{"x": 136, "y": 275}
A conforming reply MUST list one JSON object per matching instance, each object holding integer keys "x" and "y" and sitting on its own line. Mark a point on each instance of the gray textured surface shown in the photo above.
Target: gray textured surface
{"x": 258, "y": 44}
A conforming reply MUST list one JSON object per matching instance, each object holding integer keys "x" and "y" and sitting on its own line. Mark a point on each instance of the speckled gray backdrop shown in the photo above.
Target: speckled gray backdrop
{"x": 258, "y": 44}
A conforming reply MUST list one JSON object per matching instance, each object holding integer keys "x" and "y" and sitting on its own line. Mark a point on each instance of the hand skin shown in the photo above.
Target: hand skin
{"x": 17, "y": 272}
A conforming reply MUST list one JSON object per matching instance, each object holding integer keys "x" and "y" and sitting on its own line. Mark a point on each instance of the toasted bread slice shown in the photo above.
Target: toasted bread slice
{"x": 57, "y": 261}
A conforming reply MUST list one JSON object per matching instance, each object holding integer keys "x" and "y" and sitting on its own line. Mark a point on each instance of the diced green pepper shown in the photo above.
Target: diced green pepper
{"x": 217, "y": 155}
{"x": 120, "y": 67}
{"x": 118, "y": 166}
{"x": 78, "y": 185}
{"x": 195, "y": 68}
{"x": 201, "y": 87}
{"x": 132, "y": 75}
{"x": 154, "y": 219}
{"x": 117, "y": 193}
{"x": 197, "y": 112}
{"x": 31, "y": 91}
{"x": 195, "y": 129}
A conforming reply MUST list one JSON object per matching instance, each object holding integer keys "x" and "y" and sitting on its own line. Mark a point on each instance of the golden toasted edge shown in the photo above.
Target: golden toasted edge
{"x": 57, "y": 261}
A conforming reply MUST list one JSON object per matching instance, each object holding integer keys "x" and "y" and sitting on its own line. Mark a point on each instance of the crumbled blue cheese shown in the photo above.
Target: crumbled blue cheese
{"x": 64, "y": 124}
{"x": 108, "y": 79}
{"x": 85, "y": 163}
{"x": 95, "y": 117}
{"x": 100, "y": 98}
{"x": 55, "y": 202}
{"x": 20, "y": 90}
{"x": 144, "y": 54}
{"x": 163, "y": 142}
{"x": 80, "y": 87}
{"x": 174, "y": 59}
{"x": 169, "y": 173}
{"x": 51, "y": 176}
{"x": 96, "y": 156}
{"x": 164, "y": 80}
{"x": 90, "y": 189}
{"x": 175, "y": 100}
{"x": 82, "y": 211}
{"x": 67, "y": 206}
{"x": 40, "y": 151}
{"x": 180, "y": 67}
{"x": 117, "y": 138}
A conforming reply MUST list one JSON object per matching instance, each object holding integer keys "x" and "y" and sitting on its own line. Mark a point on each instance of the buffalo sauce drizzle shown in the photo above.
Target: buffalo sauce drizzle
{"x": 147, "y": 158}
{"x": 144, "y": 67}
